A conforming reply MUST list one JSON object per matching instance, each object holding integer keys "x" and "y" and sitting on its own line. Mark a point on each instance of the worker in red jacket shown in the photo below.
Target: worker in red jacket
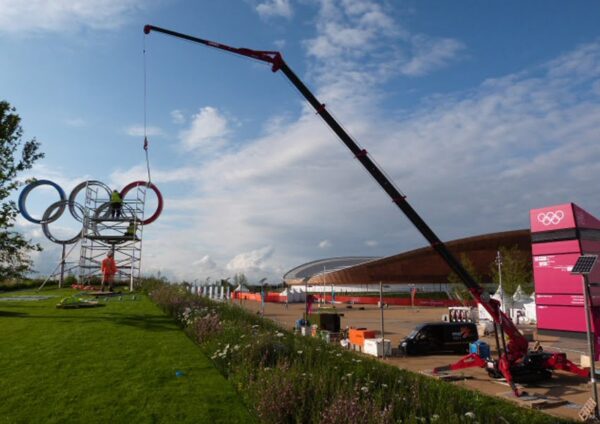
{"x": 109, "y": 269}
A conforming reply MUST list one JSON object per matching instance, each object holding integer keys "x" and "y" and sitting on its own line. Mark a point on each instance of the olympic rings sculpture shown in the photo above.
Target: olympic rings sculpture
{"x": 550, "y": 217}
{"x": 56, "y": 209}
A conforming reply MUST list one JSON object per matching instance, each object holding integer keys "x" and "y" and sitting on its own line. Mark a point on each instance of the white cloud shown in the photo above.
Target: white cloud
{"x": 470, "y": 163}
{"x": 76, "y": 122}
{"x": 251, "y": 262}
{"x": 119, "y": 177}
{"x": 209, "y": 130}
{"x": 138, "y": 131}
{"x": 177, "y": 116}
{"x": 430, "y": 54}
{"x": 21, "y": 17}
{"x": 58, "y": 175}
{"x": 324, "y": 244}
{"x": 206, "y": 263}
{"x": 274, "y": 8}
{"x": 350, "y": 38}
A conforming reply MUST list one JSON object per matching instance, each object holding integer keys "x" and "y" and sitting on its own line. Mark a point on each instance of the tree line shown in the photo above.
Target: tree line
{"x": 515, "y": 271}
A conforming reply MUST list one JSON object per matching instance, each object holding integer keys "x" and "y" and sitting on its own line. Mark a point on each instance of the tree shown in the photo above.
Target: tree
{"x": 240, "y": 280}
{"x": 516, "y": 270}
{"x": 16, "y": 156}
{"x": 457, "y": 286}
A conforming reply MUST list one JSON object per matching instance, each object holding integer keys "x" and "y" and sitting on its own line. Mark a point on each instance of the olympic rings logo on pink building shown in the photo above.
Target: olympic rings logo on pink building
{"x": 56, "y": 209}
{"x": 550, "y": 217}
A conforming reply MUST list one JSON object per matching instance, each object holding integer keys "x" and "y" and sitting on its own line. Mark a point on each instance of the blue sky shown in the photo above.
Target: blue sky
{"x": 479, "y": 111}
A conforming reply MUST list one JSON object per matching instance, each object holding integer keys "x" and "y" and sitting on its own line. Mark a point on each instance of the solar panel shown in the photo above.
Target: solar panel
{"x": 584, "y": 264}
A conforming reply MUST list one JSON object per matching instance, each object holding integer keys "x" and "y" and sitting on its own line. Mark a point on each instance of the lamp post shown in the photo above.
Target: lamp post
{"x": 262, "y": 296}
{"x": 382, "y": 328}
{"x": 323, "y": 291}
{"x": 499, "y": 263}
{"x": 306, "y": 298}
{"x": 583, "y": 267}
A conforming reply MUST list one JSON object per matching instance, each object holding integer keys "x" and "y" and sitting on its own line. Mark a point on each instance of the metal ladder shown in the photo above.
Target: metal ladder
{"x": 90, "y": 255}
{"x": 130, "y": 265}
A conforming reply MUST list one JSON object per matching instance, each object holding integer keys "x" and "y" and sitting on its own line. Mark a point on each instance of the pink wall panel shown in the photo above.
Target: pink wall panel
{"x": 554, "y": 247}
{"x": 562, "y": 318}
{"x": 585, "y": 219}
{"x": 552, "y": 274}
{"x": 588, "y": 246}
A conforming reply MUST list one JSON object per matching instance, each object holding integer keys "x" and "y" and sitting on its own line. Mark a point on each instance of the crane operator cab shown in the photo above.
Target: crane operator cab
{"x": 439, "y": 337}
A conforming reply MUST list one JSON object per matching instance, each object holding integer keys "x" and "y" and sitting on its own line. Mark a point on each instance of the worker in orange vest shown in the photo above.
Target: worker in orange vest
{"x": 109, "y": 269}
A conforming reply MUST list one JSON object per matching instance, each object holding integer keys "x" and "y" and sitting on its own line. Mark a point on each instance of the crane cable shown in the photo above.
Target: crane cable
{"x": 146, "y": 112}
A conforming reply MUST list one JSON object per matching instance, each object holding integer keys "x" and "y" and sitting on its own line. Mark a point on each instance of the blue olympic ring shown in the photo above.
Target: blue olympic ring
{"x": 27, "y": 190}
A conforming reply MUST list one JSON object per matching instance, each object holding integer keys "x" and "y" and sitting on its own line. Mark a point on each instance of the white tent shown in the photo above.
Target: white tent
{"x": 241, "y": 289}
{"x": 519, "y": 298}
{"x": 483, "y": 314}
{"x": 523, "y": 310}
{"x": 293, "y": 296}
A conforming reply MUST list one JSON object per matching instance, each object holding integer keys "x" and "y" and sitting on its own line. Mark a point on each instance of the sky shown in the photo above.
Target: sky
{"x": 478, "y": 111}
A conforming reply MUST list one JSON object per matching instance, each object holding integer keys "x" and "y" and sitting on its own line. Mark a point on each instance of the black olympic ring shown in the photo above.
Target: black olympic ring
{"x": 550, "y": 217}
{"x": 56, "y": 209}
{"x": 48, "y": 218}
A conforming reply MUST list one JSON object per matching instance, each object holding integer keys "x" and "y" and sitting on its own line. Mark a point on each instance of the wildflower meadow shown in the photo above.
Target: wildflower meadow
{"x": 287, "y": 378}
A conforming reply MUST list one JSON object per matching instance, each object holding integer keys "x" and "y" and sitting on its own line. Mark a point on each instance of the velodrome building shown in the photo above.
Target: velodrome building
{"x": 421, "y": 268}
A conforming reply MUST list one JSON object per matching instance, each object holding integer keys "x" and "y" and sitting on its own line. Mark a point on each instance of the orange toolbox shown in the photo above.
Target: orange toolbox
{"x": 357, "y": 336}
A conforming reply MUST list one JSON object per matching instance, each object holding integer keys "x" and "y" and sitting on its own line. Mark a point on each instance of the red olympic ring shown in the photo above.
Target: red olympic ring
{"x": 152, "y": 187}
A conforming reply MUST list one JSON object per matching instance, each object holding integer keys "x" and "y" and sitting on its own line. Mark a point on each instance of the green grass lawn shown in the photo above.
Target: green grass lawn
{"x": 116, "y": 363}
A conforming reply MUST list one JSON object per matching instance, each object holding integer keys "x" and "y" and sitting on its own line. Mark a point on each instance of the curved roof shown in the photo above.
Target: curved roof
{"x": 420, "y": 266}
{"x": 319, "y": 266}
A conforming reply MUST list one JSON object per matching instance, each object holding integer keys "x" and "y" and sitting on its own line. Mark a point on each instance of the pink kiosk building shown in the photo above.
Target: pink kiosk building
{"x": 559, "y": 235}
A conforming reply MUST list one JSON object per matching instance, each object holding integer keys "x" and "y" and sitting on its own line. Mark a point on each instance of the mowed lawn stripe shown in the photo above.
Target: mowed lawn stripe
{"x": 115, "y": 363}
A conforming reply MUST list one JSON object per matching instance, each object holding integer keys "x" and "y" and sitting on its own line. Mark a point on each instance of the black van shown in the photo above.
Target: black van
{"x": 439, "y": 337}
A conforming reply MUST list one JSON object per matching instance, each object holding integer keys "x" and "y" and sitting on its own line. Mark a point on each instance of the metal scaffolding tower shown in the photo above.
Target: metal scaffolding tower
{"x": 104, "y": 231}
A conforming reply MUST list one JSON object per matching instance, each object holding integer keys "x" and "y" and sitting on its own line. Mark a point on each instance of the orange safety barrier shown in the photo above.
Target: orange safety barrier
{"x": 357, "y": 336}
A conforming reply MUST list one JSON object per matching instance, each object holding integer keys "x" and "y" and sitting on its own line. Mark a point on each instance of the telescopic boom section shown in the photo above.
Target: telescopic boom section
{"x": 518, "y": 345}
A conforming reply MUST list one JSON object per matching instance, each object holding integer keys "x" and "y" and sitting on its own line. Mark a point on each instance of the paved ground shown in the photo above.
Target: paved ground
{"x": 399, "y": 321}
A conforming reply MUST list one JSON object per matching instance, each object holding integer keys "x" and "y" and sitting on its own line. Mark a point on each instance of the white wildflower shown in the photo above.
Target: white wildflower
{"x": 470, "y": 415}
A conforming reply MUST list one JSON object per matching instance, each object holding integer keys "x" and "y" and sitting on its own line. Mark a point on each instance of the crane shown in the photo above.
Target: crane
{"x": 515, "y": 360}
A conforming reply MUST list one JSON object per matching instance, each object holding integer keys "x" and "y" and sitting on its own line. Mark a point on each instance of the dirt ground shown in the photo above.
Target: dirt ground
{"x": 398, "y": 323}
